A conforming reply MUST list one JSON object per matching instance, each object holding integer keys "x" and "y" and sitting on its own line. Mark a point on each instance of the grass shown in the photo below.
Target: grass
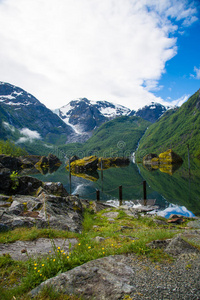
{"x": 124, "y": 234}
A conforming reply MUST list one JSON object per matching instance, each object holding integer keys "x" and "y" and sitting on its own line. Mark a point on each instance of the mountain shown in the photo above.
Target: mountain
{"x": 23, "y": 113}
{"x": 151, "y": 112}
{"x": 118, "y": 137}
{"x": 84, "y": 115}
{"x": 177, "y": 129}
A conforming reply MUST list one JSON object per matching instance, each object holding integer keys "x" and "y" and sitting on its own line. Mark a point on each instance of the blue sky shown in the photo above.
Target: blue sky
{"x": 181, "y": 79}
{"x": 130, "y": 52}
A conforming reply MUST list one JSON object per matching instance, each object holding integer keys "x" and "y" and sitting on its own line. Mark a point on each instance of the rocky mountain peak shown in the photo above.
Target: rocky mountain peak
{"x": 15, "y": 96}
{"x": 84, "y": 115}
{"x": 151, "y": 112}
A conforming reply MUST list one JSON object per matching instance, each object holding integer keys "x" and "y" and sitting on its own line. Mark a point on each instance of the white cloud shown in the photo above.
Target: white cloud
{"x": 28, "y": 135}
{"x": 8, "y": 126}
{"x": 99, "y": 49}
{"x": 197, "y": 71}
{"x": 179, "y": 101}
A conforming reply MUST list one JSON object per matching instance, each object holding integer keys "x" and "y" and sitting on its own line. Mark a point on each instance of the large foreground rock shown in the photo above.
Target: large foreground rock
{"x": 105, "y": 278}
{"x": 44, "y": 211}
{"x": 130, "y": 277}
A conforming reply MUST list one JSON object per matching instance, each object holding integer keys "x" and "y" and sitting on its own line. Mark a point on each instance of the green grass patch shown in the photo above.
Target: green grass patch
{"x": 123, "y": 234}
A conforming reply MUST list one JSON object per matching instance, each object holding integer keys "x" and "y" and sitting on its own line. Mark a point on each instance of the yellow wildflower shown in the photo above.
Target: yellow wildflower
{"x": 58, "y": 248}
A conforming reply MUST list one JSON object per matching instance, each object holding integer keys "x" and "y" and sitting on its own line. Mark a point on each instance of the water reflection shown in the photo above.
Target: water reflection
{"x": 179, "y": 189}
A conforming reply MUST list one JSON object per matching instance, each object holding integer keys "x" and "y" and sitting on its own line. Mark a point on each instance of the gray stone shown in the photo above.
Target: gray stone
{"x": 22, "y": 250}
{"x": 194, "y": 224}
{"x": 64, "y": 213}
{"x": 111, "y": 214}
{"x": 16, "y": 208}
{"x": 105, "y": 278}
{"x": 55, "y": 188}
{"x": 179, "y": 246}
{"x": 99, "y": 239}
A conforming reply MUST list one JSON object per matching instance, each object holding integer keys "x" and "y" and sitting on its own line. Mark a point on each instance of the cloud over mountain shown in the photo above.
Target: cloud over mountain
{"x": 99, "y": 49}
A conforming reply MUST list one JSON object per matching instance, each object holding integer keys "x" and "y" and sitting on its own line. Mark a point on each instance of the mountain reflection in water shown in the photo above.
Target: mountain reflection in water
{"x": 180, "y": 189}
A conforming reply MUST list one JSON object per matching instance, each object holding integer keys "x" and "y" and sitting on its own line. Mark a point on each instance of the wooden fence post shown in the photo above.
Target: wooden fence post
{"x": 120, "y": 195}
{"x": 98, "y": 195}
{"x": 144, "y": 192}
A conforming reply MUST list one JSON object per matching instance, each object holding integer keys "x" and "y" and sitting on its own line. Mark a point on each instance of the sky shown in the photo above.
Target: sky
{"x": 130, "y": 52}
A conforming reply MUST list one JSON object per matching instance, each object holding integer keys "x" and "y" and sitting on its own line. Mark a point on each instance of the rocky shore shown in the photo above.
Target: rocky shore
{"x": 121, "y": 276}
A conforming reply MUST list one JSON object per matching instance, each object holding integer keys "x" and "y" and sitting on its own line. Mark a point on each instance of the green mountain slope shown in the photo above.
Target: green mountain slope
{"x": 118, "y": 137}
{"x": 175, "y": 130}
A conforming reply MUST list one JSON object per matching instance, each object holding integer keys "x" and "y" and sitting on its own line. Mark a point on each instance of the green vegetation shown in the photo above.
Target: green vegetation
{"x": 174, "y": 130}
{"x": 9, "y": 148}
{"x": 125, "y": 235}
{"x": 118, "y": 137}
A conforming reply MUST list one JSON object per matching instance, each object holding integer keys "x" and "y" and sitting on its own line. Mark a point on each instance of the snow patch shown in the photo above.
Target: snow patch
{"x": 76, "y": 128}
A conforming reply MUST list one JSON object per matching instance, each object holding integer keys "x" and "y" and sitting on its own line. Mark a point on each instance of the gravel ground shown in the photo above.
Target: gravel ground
{"x": 177, "y": 280}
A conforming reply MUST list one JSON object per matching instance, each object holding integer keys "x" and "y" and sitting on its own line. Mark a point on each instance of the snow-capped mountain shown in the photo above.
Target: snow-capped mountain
{"x": 84, "y": 115}
{"x": 21, "y": 110}
{"x": 151, "y": 112}
{"x": 74, "y": 122}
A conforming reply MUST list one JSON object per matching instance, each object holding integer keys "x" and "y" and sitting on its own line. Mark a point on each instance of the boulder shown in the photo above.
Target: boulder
{"x": 178, "y": 246}
{"x": 86, "y": 163}
{"x": 28, "y": 185}
{"x": 5, "y": 184}
{"x": 28, "y": 161}
{"x": 170, "y": 157}
{"x": 12, "y": 163}
{"x": 105, "y": 278}
{"x": 55, "y": 188}
{"x": 54, "y": 163}
{"x": 44, "y": 211}
{"x": 48, "y": 164}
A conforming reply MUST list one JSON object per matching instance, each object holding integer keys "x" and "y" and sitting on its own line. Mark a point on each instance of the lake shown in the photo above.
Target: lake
{"x": 177, "y": 191}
